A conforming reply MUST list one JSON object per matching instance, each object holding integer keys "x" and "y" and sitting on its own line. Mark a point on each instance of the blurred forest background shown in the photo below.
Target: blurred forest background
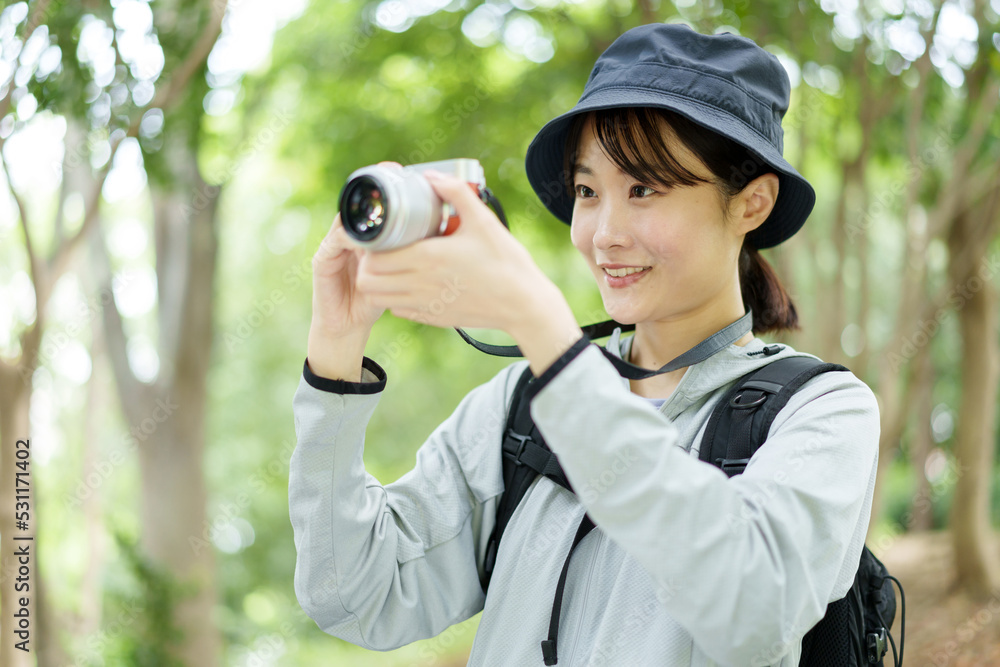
{"x": 169, "y": 168}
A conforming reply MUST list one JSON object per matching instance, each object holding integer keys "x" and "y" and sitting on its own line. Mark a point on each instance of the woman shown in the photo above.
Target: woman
{"x": 669, "y": 170}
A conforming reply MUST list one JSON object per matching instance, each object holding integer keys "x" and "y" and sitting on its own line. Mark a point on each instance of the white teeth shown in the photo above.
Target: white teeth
{"x": 621, "y": 273}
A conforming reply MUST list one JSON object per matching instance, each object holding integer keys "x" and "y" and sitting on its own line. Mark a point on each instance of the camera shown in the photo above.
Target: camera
{"x": 384, "y": 208}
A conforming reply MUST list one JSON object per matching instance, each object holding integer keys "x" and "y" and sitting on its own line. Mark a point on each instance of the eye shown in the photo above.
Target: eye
{"x": 583, "y": 192}
{"x": 641, "y": 191}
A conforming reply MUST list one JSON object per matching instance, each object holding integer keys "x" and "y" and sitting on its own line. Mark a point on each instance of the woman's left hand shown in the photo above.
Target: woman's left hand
{"x": 479, "y": 276}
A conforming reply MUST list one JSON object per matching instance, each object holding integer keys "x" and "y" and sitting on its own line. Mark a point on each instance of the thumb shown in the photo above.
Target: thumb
{"x": 459, "y": 194}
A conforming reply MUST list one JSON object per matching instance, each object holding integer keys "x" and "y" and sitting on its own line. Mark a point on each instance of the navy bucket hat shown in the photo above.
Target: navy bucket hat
{"x": 724, "y": 82}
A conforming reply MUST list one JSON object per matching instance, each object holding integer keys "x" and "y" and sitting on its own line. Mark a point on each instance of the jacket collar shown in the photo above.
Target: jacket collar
{"x": 711, "y": 375}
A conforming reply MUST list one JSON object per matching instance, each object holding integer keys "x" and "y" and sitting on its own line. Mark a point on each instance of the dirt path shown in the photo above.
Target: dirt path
{"x": 943, "y": 628}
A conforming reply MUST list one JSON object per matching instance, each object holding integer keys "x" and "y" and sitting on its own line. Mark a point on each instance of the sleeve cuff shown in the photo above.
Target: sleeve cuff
{"x": 549, "y": 373}
{"x": 369, "y": 369}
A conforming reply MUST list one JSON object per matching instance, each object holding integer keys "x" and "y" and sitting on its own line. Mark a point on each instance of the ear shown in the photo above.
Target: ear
{"x": 754, "y": 203}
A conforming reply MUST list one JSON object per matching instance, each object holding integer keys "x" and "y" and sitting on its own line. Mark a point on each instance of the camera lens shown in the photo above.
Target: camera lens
{"x": 364, "y": 208}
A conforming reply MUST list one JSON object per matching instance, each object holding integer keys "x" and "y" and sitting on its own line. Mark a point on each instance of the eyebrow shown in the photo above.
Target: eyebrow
{"x": 580, "y": 168}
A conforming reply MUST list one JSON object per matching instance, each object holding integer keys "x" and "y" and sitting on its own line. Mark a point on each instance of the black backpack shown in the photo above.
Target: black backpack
{"x": 855, "y": 629}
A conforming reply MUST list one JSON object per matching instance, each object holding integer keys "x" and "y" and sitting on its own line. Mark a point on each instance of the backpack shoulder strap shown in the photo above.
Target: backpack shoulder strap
{"x": 855, "y": 629}
{"x": 524, "y": 456}
{"x": 740, "y": 421}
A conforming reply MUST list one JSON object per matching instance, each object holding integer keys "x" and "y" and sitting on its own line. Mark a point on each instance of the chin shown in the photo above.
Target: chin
{"x": 622, "y": 315}
{"x": 626, "y": 320}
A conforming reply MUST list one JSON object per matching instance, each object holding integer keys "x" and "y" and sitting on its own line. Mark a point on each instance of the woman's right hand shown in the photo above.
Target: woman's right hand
{"x": 338, "y": 309}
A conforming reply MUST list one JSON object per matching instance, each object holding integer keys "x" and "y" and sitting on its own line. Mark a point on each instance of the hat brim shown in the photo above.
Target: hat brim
{"x": 545, "y": 170}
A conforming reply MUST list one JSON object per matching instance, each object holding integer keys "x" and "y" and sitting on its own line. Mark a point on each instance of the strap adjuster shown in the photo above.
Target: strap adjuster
{"x": 877, "y": 645}
{"x": 734, "y": 402}
{"x": 516, "y": 455}
{"x": 732, "y": 466}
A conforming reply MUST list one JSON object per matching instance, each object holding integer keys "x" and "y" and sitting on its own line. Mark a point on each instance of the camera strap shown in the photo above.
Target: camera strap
{"x": 716, "y": 342}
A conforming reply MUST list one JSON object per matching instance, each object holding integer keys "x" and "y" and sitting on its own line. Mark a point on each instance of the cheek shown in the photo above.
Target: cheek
{"x": 685, "y": 254}
{"x": 665, "y": 242}
{"x": 582, "y": 235}
{"x": 689, "y": 235}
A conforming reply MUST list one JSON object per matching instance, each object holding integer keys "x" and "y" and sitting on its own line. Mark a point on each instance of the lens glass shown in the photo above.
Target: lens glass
{"x": 364, "y": 208}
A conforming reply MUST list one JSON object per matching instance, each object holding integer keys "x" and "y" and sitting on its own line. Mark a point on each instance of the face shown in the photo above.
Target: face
{"x": 657, "y": 253}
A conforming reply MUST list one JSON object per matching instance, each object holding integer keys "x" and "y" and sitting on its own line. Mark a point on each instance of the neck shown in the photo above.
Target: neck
{"x": 658, "y": 342}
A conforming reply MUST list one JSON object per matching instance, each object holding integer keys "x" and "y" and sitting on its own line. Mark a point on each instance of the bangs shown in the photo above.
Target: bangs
{"x": 633, "y": 138}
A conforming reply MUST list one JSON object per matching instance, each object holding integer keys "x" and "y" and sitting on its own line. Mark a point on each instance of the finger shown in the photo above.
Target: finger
{"x": 330, "y": 245}
{"x": 374, "y": 264}
{"x": 335, "y": 255}
{"x": 339, "y": 232}
{"x": 409, "y": 314}
{"x": 457, "y": 193}
{"x": 335, "y": 242}
{"x": 391, "y": 165}
{"x": 408, "y": 259}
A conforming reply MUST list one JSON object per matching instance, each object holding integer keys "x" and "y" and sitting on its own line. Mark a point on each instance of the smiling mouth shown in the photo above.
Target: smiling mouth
{"x": 621, "y": 273}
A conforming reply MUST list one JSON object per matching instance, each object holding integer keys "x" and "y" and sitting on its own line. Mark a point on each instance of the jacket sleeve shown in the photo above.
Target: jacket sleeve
{"x": 383, "y": 566}
{"x": 747, "y": 565}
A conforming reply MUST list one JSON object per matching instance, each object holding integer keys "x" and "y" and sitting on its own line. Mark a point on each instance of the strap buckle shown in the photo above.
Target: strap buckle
{"x": 732, "y": 466}
{"x": 516, "y": 455}
{"x": 877, "y": 645}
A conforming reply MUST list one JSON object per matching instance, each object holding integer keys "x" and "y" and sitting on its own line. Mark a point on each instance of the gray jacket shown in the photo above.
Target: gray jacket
{"x": 688, "y": 567}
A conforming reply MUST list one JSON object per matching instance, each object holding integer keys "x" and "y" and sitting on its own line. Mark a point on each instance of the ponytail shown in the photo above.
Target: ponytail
{"x": 773, "y": 310}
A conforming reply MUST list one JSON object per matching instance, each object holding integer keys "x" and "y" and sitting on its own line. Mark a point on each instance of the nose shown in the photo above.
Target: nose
{"x": 612, "y": 228}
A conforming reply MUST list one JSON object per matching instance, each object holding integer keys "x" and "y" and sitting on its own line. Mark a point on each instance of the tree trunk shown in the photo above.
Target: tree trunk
{"x": 168, "y": 416}
{"x": 895, "y": 360}
{"x": 921, "y": 516}
{"x": 173, "y": 511}
{"x": 976, "y": 568}
{"x": 91, "y": 603}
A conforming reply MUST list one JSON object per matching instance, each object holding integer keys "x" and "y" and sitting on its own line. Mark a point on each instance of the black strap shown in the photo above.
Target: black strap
{"x": 524, "y": 450}
{"x": 718, "y": 341}
{"x": 591, "y": 331}
{"x": 740, "y": 422}
{"x": 525, "y": 455}
{"x": 549, "y": 645}
{"x": 516, "y": 478}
